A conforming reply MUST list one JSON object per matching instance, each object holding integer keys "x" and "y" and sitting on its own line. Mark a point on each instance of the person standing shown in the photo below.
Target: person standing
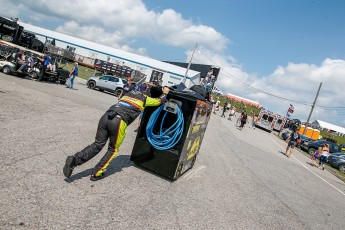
{"x": 112, "y": 125}
{"x": 292, "y": 141}
{"x": 45, "y": 62}
{"x": 231, "y": 114}
{"x": 72, "y": 75}
{"x": 244, "y": 118}
{"x": 224, "y": 109}
{"x": 324, "y": 156}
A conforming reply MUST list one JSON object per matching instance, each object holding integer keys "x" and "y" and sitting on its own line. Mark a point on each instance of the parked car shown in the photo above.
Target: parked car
{"x": 337, "y": 160}
{"x": 343, "y": 147}
{"x": 304, "y": 141}
{"x": 108, "y": 83}
{"x": 314, "y": 145}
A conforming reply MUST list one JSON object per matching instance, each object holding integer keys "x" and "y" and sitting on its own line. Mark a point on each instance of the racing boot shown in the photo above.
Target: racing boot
{"x": 69, "y": 166}
{"x": 96, "y": 178}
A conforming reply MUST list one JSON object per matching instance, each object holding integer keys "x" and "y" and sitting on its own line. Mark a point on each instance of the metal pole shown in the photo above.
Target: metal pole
{"x": 312, "y": 108}
{"x": 189, "y": 64}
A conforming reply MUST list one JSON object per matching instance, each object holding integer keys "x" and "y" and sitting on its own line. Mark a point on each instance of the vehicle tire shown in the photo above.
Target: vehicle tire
{"x": 62, "y": 82}
{"x": 33, "y": 74}
{"x": 91, "y": 84}
{"x": 342, "y": 168}
{"x": 6, "y": 70}
{"x": 118, "y": 92}
{"x": 311, "y": 151}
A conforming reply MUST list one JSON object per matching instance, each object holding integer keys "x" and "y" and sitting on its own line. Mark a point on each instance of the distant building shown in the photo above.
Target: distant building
{"x": 243, "y": 100}
{"x": 114, "y": 60}
{"x": 322, "y": 125}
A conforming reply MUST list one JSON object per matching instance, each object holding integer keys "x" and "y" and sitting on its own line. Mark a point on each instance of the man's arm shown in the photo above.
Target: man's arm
{"x": 157, "y": 101}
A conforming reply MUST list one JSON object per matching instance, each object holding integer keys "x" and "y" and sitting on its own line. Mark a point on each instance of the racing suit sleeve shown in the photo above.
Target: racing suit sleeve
{"x": 155, "y": 101}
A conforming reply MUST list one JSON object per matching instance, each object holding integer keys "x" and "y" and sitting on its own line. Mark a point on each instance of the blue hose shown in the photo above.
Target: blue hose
{"x": 168, "y": 138}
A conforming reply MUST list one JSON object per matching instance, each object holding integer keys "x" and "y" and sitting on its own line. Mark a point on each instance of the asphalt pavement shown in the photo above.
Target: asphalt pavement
{"x": 241, "y": 179}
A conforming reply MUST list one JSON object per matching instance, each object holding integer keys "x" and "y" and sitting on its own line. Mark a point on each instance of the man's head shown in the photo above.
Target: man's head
{"x": 75, "y": 63}
{"x": 129, "y": 80}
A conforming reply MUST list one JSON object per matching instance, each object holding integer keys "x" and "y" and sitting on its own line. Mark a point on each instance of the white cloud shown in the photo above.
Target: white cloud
{"x": 121, "y": 23}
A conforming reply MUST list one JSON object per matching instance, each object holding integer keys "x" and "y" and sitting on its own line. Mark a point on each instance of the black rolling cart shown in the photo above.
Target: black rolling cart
{"x": 173, "y": 162}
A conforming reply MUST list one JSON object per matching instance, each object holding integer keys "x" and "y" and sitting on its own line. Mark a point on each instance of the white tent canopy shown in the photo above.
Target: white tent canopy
{"x": 325, "y": 125}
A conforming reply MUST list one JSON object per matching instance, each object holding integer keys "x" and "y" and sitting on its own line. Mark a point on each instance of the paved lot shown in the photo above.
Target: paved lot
{"x": 240, "y": 179}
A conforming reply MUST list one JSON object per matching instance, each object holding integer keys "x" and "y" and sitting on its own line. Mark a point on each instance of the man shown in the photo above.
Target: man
{"x": 18, "y": 57}
{"x": 224, "y": 109}
{"x": 129, "y": 86}
{"x": 45, "y": 62}
{"x": 112, "y": 125}
{"x": 292, "y": 142}
{"x": 72, "y": 75}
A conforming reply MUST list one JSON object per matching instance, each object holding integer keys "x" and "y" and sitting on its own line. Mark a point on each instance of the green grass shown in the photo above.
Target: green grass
{"x": 340, "y": 140}
{"x": 84, "y": 72}
{"x": 239, "y": 106}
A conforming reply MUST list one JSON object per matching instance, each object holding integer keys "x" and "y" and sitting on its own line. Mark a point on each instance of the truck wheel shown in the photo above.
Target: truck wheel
{"x": 311, "y": 151}
{"x": 6, "y": 70}
{"x": 118, "y": 92}
{"x": 33, "y": 75}
{"x": 91, "y": 84}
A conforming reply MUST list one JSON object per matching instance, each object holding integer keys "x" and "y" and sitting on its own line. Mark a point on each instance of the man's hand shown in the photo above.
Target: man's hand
{"x": 165, "y": 90}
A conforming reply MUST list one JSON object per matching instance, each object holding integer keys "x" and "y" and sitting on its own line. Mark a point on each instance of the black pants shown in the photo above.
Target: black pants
{"x": 42, "y": 72}
{"x": 115, "y": 130}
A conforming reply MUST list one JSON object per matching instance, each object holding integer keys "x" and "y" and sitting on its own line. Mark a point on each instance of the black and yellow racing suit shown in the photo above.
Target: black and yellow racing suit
{"x": 113, "y": 125}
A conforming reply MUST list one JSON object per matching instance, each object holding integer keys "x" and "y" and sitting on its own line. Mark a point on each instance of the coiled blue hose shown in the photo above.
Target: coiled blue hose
{"x": 168, "y": 138}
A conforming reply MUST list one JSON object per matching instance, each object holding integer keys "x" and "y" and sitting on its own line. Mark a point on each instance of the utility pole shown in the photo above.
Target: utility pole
{"x": 189, "y": 64}
{"x": 312, "y": 108}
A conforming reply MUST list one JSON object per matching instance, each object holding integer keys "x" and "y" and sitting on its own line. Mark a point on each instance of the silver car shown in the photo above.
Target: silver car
{"x": 108, "y": 83}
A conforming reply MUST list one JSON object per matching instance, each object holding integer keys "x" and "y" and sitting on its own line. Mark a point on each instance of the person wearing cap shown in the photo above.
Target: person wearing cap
{"x": 112, "y": 125}
{"x": 72, "y": 75}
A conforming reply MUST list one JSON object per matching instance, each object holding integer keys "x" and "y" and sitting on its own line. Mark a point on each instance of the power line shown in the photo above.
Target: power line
{"x": 253, "y": 88}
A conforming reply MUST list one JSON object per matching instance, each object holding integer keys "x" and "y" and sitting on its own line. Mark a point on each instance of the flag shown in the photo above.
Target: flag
{"x": 290, "y": 110}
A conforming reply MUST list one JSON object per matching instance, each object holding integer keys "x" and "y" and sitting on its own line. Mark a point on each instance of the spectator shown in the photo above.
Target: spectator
{"x": 254, "y": 121}
{"x": 45, "y": 62}
{"x": 129, "y": 86}
{"x": 292, "y": 142}
{"x": 324, "y": 156}
{"x": 18, "y": 57}
{"x": 224, "y": 109}
{"x": 216, "y": 108}
{"x": 72, "y": 75}
{"x": 231, "y": 114}
{"x": 244, "y": 118}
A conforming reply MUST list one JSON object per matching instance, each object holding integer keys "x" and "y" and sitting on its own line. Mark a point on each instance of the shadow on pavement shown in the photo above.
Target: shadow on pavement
{"x": 116, "y": 165}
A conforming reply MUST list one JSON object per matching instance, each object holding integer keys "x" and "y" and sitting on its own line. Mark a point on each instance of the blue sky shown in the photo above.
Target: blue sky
{"x": 284, "y": 48}
{"x": 268, "y": 33}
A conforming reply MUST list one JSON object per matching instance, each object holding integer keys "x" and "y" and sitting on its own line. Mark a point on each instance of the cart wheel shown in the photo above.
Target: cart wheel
{"x": 6, "y": 70}
{"x": 33, "y": 75}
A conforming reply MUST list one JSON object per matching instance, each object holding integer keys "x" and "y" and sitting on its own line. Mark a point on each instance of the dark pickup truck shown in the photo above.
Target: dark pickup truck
{"x": 311, "y": 147}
